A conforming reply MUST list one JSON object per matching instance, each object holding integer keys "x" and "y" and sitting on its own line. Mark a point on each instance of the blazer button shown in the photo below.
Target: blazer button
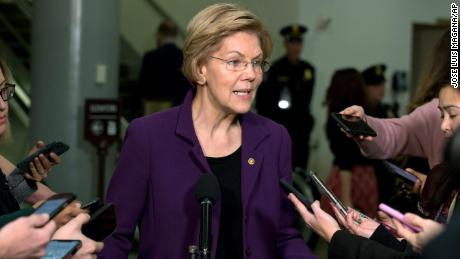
{"x": 248, "y": 252}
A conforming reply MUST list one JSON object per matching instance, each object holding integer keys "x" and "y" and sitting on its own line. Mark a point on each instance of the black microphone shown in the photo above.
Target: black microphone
{"x": 207, "y": 191}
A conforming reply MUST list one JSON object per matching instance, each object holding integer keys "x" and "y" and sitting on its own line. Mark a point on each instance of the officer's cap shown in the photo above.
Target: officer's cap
{"x": 293, "y": 32}
{"x": 374, "y": 75}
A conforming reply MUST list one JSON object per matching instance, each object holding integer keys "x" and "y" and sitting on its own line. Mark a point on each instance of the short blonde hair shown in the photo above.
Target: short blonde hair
{"x": 212, "y": 24}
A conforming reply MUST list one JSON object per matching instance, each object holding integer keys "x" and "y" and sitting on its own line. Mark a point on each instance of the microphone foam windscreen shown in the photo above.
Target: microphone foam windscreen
{"x": 207, "y": 186}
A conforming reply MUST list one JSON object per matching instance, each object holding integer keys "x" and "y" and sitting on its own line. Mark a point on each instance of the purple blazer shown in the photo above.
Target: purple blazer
{"x": 153, "y": 188}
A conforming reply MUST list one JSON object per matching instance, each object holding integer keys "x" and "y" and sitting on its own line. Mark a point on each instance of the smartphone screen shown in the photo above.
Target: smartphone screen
{"x": 400, "y": 172}
{"x": 55, "y": 204}
{"x": 353, "y": 125}
{"x": 57, "y": 249}
{"x": 61, "y": 248}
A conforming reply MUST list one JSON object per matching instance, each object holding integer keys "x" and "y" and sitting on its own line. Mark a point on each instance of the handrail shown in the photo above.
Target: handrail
{"x": 165, "y": 15}
{"x": 26, "y": 7}
{"x": 18, "y": 37}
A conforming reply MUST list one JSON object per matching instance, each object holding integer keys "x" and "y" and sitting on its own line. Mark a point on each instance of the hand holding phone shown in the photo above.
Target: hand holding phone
{"x": 399, "y": 216}
{"x": 57, "y": 249}
{"x": 55, "y": 204}
{"x": 290, "y": 189}
{"x": 56, "y": 147}
{"x": 353, "y": 125}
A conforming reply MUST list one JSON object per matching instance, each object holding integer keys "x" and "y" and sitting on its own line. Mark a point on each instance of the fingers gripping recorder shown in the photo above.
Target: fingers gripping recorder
{"x": 337, "y": 203}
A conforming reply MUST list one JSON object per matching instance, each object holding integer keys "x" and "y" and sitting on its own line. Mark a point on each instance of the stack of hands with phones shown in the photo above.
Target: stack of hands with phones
{"x": 414, "y": 229}
{"x": 60, "y": 227}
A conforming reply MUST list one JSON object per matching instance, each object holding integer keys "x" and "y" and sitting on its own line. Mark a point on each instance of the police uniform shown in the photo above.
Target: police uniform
{"x": 285, "y": 97}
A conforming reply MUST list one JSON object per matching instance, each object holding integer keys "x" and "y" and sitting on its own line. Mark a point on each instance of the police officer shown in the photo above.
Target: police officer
{"x": 286, "y": 93}
{"x": 374, "y": 76}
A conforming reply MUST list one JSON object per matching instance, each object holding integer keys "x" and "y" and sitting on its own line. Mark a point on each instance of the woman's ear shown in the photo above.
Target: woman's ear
{"x": 201, "y": 75}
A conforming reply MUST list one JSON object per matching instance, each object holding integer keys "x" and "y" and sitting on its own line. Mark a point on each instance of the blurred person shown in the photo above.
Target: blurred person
{"x": 212, "y": 132}
{"x": 352, "y": 176}
{"x": 286, "y": 94}
{"x": 162, "y": 84}
{"x": 374, "y": 77}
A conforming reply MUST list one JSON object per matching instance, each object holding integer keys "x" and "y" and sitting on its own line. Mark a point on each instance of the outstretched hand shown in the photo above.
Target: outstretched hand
{"x": 319, "y": 221}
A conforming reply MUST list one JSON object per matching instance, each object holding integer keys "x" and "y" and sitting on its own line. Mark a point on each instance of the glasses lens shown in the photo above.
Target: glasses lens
{"x": 7, "y": 92}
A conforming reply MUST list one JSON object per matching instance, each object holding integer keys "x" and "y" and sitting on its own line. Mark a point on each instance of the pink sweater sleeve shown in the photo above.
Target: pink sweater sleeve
{"x": 416, "y": 134}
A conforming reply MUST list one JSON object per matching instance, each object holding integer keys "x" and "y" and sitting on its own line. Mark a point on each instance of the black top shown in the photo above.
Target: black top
{"x": 8, "y": 203}
{"x": 346, "y": 152}
{"x": 228, "y": 172}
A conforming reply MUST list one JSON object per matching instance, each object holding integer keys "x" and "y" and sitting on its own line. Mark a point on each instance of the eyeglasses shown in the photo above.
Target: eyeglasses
{"x": 259, "y": 66}
{"x": 7, "y": 92}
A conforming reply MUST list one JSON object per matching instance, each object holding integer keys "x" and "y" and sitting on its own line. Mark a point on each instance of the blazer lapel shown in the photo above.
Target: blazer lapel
{"x": 185, "y": 130}
{"x": 251, "y": 159}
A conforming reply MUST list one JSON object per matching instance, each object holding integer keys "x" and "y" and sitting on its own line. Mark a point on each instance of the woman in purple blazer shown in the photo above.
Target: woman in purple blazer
{"x": 212, "y": 132}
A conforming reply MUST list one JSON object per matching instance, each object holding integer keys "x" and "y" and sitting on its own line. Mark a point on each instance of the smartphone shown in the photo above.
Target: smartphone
{"x": 57, "y": 249}
{"x": 56, "y": 147}
{"x": 290, "y": 189}
{"x": 353, "y": 125}
{"x": 92, "y": 206}
{"x": 399, "y": 216}
{"x": 324, "y": 190}
{"x": 400, "y": 172}
{"x": 102, "y": 224}
{"x": 55, "y": 204}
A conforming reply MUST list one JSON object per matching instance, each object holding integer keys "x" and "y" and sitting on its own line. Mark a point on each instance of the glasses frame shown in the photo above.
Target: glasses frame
{"x": 4, "y": 91}
{"x": 264, "y": 65}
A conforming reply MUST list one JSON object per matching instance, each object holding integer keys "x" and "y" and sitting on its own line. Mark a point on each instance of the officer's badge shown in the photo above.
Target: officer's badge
{"x": 307, "y": 75}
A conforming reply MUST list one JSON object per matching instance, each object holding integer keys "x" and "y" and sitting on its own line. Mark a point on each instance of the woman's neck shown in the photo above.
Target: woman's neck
{"x": 218, "y": 131}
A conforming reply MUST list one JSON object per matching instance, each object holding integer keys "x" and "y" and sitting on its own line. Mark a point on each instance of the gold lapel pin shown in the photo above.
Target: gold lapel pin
{"x": 251, "y": 161}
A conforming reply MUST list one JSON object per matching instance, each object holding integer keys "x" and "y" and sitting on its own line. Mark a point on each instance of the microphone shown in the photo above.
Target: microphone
{"x": 207, "y": 191}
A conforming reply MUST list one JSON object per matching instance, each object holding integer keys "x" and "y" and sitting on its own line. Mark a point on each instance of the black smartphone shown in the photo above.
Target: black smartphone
{"x": 56, "y": 147}
{"x": 353, "y": 125}
{"x": 57, "y": 249}
{"x": 102, "y": 224}
{"x": 406, "y": 176}
{"x": 93, "y": 205}
{"x": 288, "y": 188}
{"x": 55, "y": 204}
